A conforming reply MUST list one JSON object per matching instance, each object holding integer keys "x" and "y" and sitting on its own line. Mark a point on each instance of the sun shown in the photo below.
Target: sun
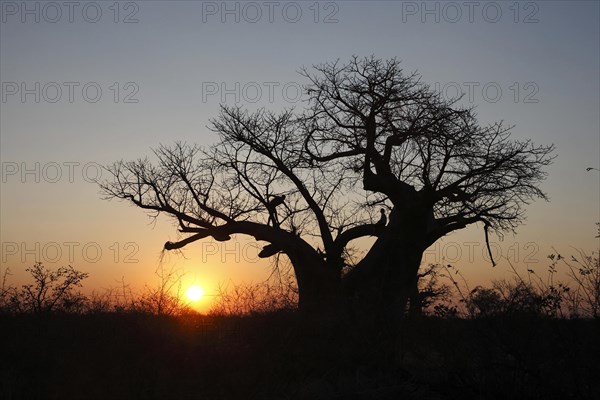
{"x": 194, "y": 293}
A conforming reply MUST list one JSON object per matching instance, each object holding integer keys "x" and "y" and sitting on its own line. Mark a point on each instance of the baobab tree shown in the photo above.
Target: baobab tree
{"x": 310, "y": 183}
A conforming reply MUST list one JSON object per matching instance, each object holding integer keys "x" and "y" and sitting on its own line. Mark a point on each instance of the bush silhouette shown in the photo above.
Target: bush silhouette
{"x": 51, "y": 290}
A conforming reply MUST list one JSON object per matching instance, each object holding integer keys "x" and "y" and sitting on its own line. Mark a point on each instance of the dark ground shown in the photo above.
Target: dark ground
{"x": 134, "y": 356}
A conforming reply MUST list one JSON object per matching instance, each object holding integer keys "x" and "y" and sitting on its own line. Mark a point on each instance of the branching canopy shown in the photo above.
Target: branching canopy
{"x": 371, "y": 135}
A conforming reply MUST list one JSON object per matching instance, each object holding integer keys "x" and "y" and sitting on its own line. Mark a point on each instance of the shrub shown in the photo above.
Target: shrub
{"x": 583, "y": 298}
{"x": 51, "y": 290}
{"x": 244, "y": 299}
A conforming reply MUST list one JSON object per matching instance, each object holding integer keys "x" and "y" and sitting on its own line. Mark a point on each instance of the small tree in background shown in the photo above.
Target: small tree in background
{"x": 51, "y": 290}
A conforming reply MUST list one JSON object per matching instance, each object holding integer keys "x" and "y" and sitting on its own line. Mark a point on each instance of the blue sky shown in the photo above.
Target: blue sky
{"x": 543, "y": 56}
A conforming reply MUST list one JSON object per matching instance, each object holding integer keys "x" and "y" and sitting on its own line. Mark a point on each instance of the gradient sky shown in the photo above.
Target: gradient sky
{"x": 544, "y": 57}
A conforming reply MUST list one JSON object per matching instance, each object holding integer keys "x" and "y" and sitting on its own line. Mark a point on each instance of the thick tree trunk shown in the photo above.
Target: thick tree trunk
{"x": 319, "y": 286}
{"x": 378, "y": 289}
{"x": 320, "y": 292}
{"x": 415, "y": 306}
{"x": 382, "y": 283}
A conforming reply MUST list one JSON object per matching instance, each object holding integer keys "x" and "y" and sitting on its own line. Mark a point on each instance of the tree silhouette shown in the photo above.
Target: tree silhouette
{"x": 311, "y": 183}
{"x": 50, "y": 290}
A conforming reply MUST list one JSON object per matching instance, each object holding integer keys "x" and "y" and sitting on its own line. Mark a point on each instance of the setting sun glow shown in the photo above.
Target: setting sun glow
{"x": 194, "y": 293}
